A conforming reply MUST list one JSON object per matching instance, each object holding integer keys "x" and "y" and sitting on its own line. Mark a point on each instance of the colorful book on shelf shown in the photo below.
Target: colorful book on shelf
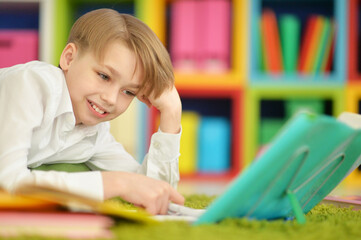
{"x": 290, "y": 33}
{"x": 322, "y": 45}
{"x": 183, "y": 46}
{"x": 329, "y": 50}
{"x": 213, "y": 27}
{"x": 214, "y": 145}
{"x": 314, "y": 45}
{"x": 306, "y": 42}
{"x": 261, "y": 49}
{"x": 271, "y": 42}
{"x": 188, "y": 144}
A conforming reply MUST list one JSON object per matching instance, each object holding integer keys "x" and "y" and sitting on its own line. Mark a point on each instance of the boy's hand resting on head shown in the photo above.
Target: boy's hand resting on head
{"x": 170, "y": 108}
{"x": 151, "y": 194}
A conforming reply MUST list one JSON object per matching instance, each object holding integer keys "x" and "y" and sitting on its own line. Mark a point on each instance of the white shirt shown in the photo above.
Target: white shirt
{"x": 37, "y": 126}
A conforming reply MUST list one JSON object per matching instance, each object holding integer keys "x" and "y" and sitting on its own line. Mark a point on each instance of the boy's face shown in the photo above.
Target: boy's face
{"x": 100, "y": 91}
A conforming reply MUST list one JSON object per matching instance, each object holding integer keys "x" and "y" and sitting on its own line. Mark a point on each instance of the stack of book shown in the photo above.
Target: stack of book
{"x": 46, "y": 212}
{"x": 285, "y": 50}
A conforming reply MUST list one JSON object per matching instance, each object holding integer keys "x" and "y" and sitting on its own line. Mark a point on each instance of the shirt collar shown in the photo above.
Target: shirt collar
{"x": 66, "y": 108}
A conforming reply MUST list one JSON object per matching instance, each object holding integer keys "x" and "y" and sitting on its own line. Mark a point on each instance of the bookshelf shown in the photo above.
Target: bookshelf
{"x": 249, "y": 93}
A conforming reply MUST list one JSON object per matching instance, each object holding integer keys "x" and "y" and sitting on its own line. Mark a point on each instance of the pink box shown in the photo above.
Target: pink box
{"x": 183, "y": 34}
{"x": 18, "y": 46}
{"x": 214, "y": 43}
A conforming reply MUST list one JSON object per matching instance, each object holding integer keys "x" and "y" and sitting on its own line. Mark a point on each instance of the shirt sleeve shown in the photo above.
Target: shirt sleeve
{"x": 23, "y": 98}
{"x": 160, "y": 163}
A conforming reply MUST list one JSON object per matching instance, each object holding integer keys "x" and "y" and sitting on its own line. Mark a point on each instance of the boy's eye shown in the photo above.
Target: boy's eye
{"x": 103, "y": 76}
{"x": 129, "y": 93}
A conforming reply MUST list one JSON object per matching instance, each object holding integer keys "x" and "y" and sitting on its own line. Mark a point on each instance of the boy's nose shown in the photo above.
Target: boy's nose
{"x": 110, "y": 96}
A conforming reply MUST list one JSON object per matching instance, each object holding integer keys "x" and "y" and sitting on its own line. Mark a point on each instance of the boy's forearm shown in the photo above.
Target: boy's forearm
{"x": 170, "y": 120}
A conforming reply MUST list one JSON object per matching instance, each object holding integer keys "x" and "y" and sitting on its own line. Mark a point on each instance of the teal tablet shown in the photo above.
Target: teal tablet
{"x": 304, "y": 163}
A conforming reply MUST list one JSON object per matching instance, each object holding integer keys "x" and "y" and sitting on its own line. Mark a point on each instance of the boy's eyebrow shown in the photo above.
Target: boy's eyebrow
{"x": 112, "y": 70}
{"x": 134, "y": 85}
{"x": 115, "y": 72}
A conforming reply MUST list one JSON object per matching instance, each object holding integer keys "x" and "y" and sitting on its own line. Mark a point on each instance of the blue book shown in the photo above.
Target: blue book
{"x": 214, "y": 145}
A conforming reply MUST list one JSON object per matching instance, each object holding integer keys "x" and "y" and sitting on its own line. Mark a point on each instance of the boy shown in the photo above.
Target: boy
{"x": 60, "y": 115}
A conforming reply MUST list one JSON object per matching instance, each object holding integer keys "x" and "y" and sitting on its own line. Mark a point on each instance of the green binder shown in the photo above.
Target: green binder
{"x": 290, "y": 38}
{"x": 308, "y": 158}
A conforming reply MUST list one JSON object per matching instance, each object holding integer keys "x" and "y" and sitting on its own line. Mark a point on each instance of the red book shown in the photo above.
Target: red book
{"x": 306, "y": 43}
{"x": 271, "y": 42}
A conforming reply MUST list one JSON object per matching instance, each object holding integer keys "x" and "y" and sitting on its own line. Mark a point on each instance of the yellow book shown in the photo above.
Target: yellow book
{"x": 188, "y": 144}
{"x": 45, "y": 197}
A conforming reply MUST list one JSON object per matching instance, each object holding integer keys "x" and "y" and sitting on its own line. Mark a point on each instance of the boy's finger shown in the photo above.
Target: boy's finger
{"x": 164, "y": 206}
{"x": 176, "y": 197}
{"x": 151, "y": 208}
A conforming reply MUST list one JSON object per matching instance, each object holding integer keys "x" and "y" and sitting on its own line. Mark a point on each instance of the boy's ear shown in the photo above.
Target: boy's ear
{"x": 67, "y": 56}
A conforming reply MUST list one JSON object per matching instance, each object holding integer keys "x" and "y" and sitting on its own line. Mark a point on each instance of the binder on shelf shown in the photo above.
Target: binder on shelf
{"x": 18, "y": 46}
{"x": 321, "y": 49}
{"x": 189, "y": 142}
{"x": 271, "y": 42}
{"x": 213, "y": 35}
{"x": 314, "y": 45}
{"x": 329, "y": 50}
{"x": 261, "y": 53}
{"x": 306, "y": 43}
{"x": 183, "y": 34}
{"x": 290, "y": 33}
{"x": 214, "y": 145}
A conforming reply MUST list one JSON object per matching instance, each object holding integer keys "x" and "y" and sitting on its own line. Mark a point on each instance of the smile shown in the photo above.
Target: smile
{"x": 96, "y": 110}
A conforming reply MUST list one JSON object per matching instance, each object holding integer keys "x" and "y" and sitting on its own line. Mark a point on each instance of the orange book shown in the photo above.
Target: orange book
{"x": 314, "y": 44}
{"x": 271, "y": 42}
{"x": 305, "y": 44}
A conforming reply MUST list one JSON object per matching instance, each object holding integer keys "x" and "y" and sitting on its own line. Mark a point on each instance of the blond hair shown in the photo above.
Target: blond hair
{"x": 96, "y": 29}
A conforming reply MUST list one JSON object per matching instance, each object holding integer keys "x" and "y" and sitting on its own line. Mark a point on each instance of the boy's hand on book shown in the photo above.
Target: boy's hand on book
{"x": 151, "y": 194}
{"x": 170, "y": 108}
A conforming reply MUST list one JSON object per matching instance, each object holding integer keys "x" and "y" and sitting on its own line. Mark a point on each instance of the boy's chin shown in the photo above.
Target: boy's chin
{"x": 87, "y": 122}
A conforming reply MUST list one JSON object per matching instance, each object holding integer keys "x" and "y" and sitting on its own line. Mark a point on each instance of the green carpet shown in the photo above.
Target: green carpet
{"x": 323, "y": 222}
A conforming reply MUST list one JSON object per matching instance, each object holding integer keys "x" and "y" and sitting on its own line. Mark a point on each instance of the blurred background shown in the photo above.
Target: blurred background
{"x": 242, "y": 68}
